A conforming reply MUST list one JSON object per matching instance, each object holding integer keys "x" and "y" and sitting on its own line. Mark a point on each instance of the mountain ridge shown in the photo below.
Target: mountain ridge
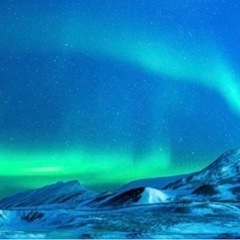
{"x": 226, "y": 168}
{"x": 219, "y": 181}
{"x": 57, "y": 193}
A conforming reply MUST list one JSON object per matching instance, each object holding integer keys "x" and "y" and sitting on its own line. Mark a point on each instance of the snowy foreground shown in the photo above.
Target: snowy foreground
{"x": 155, "y": 221}
{"x": 201, "y": 205}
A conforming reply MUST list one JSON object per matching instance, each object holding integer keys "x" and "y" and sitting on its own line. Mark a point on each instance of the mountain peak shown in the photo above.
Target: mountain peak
{"x": 57, "y": 193}
{"x": 224, "y": 170}
{"x": 228, "y": 159}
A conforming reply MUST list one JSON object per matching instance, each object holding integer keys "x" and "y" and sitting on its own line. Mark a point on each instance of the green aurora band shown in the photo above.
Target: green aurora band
{"x": 105, "y": 168}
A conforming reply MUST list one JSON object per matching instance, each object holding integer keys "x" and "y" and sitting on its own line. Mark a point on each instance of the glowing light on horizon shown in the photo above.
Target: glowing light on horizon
{"x": 74, "y": 161}
{"x": 106, "y": 168}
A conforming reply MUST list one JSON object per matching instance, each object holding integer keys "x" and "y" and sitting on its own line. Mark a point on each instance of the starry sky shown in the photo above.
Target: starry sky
{"x": 112, "y": 91}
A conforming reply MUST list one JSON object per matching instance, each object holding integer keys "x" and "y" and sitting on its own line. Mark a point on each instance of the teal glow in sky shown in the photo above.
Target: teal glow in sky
{"x": 118, "y": 91}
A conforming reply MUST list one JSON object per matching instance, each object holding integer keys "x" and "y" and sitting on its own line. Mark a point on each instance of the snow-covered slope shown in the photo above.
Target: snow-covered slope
{"x": 151, "y": 196}
{"x": 160, "y": 221}
{"x": 220, "y": 180}
{"x": 135, "y": 196}
{"x": 59, "y": 193}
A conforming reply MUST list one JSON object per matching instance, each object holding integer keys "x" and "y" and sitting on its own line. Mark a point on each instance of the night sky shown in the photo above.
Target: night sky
{"x": 112, "y": 91}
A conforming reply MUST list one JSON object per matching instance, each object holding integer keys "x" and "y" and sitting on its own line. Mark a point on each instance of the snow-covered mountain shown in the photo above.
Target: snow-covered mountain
{"x": 71, "y": 192}
{"x": 220, "y": 180}
{"x": 132, "y": 197}
{"x": 204, "y": 204}
{"x": 73, "y": 195}
{"x": 157, "y": 183}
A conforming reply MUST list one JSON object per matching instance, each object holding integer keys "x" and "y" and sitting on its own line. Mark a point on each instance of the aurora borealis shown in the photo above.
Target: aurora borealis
{"x": 115, "y": 91}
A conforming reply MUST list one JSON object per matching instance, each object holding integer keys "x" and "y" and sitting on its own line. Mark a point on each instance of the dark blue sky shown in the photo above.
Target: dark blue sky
{"x": 152, "y": 81}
